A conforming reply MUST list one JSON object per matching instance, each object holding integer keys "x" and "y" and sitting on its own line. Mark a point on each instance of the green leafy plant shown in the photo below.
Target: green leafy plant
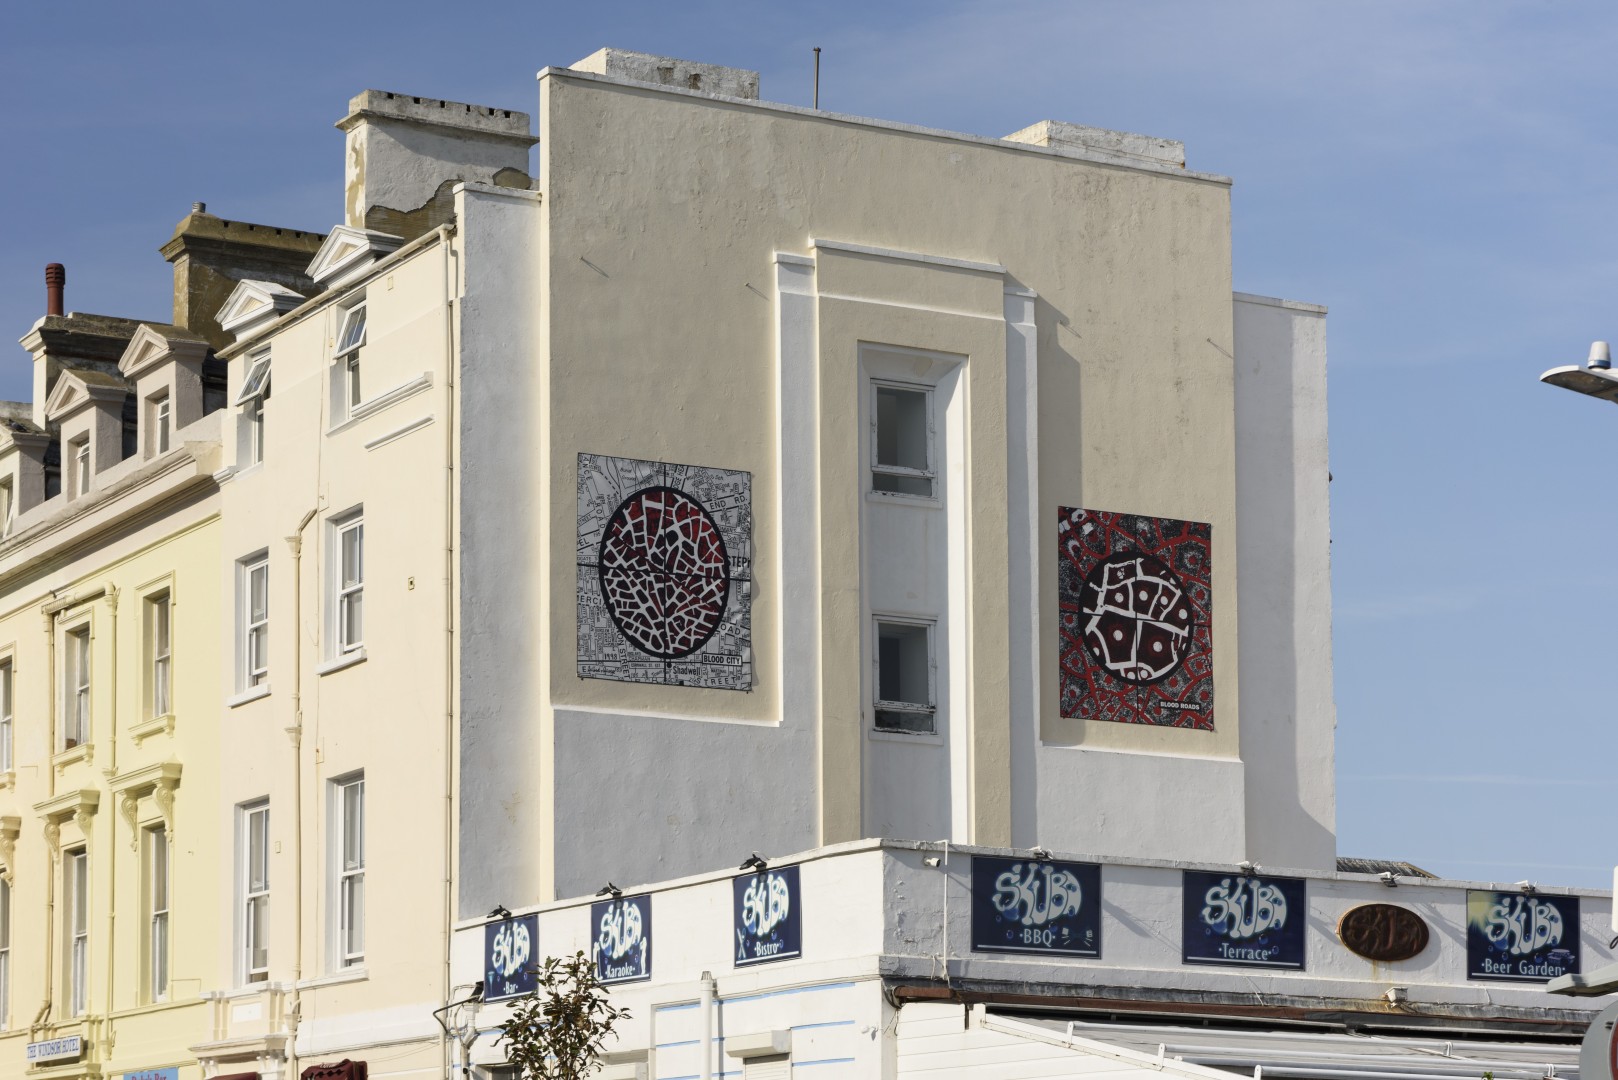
{"x": 557, "y": 1031}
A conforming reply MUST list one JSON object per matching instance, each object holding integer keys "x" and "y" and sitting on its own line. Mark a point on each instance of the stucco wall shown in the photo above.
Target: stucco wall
{"x": 1284, "y": 563}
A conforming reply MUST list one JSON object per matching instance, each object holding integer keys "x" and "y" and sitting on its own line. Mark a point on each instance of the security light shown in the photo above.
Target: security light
{"x": 609, "y": 889}
{"x": 1249, "y": 868}
{"x": 500, "y": 912}
{"x": 1390, "y": 879}
{"x": 753, "y": 863}
{"x": 1039, "y": 853}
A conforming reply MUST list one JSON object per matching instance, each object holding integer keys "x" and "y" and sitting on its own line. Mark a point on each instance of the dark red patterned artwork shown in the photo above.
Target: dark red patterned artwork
{"x": 664, "y": 572}
{"x": 1136, "y": 606}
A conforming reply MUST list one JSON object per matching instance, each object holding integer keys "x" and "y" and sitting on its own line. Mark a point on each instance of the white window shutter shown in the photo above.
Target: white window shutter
{"x": 767, "y": 1068}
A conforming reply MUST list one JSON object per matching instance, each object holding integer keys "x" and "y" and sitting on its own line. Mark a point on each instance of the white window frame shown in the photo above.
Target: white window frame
{"x": 8, "y": 729}
{"x": 159, "y": 860}
{"x": 930, "y": 473}
{"x": 347, "y": 873}
{"x": 80, "y": 466}
{"x": 252, "y": 634}
{"x": 880, "y": 704}
{"x": 344, "y": 598}
{"x": 5, "y": 955}
{"x": 250, "y": 401}
{"x": 351, "y": 335}
{"x": 76, "y": 890}
{"x": 77, "y": 658}
{"x": 8, "y": 506}
{"x": 251, "y": 817}
{"x": 162, "y": 423}
{"x": 160, "y": 654}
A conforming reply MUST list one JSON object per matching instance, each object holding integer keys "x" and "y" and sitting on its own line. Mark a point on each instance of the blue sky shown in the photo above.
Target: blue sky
{"x": 1443, "y": 175}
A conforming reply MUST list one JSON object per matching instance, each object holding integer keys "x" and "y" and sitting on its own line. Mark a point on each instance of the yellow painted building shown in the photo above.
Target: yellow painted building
{"x": 109, "y": 615}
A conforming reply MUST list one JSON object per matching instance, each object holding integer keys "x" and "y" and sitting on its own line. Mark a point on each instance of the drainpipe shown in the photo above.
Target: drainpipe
{"x": 708, "y": 989}
{"x": 295, "y": 733}
{"x": 112, "y": 842}
{"x": 450, "y": 742}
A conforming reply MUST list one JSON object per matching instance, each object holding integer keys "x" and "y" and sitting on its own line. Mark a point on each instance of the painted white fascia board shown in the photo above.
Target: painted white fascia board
{"x": 907, "y": 256}
{"x": 890, "y": 125}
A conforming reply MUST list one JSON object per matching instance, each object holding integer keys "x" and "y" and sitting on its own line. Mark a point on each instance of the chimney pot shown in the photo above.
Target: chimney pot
{"x": 55, "y": 279}
{"x": 199, "y": 208}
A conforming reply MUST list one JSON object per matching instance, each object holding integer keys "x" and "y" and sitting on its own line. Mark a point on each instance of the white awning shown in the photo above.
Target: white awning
{"x": 937, "y": 1040}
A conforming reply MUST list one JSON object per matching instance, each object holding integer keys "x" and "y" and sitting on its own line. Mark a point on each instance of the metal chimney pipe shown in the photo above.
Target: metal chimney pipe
{"x": 55, "y": 279}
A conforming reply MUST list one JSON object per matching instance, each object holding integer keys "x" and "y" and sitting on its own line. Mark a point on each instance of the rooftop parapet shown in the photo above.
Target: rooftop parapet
{"x": 1123, "y": 146}
{"x": 667, "y": 71}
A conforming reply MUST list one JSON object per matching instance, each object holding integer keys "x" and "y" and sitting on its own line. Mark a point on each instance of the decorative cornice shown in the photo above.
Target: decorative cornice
{"x": 159, "y": 781}
{"x": 78, "y": 805}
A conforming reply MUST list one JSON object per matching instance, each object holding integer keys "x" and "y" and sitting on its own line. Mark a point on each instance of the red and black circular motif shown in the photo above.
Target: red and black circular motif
{"x": 665, "y": 574}
{"x": 1136, "y": 618}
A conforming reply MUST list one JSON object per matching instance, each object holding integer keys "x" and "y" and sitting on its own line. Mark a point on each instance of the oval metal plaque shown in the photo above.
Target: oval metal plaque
{"x": 1383, "y": 932}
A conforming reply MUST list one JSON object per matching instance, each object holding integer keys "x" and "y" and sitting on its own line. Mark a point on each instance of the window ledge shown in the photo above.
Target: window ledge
{"x": 348, "y": 659}
{"x": 872, "y": 495}
{"x": 8, "y": 780}
{"x": 387, "y": 398}
{"x": 252, "y": 693}
{"x": 157, "y": 725}
{"x": 914, "y": 738}
{"x": 82, "y": 752}
{"x": 336, "y": 978}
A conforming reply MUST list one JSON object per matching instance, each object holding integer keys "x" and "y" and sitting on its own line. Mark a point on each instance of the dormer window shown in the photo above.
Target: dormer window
{"x": 350, "y": 341}
{"x": 255, "y": 389}
{"x": 161, "y": 419}
{"x": 79, "y": 462}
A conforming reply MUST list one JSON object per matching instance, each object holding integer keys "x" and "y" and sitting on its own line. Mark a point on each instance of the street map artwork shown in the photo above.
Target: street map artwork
{"x": 1135, "y": 601}
{"x": 665, "y": 573}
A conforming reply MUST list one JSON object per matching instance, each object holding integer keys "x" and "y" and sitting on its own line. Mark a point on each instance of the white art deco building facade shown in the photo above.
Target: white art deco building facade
{"x": 866, "y": 586}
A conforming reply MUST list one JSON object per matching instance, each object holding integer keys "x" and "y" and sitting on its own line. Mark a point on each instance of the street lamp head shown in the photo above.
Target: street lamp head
{"x": 1600, "y": 355}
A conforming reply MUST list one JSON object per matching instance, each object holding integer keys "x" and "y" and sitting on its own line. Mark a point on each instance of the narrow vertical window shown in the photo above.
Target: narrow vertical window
{"x": 348, "y": 849}
{"x": 350, "y": 341}
{"x": 5, "y": 955}
{"x": 902, "y": 440}
{"x": 349, "y": 586}
{"x": 255, "y": 621}
{"x": 160, "y": 425}
{"x": 8, "y": 507}
{"x": 76, "y": 689}
{"x": 7, "y": 730}
{"x": 81, "y": 467}
{"x": 157, "y": 914}
{"x": 77, "y": 867}
{"x": 255, "y": 892}
{"x": 904, "y": 678}
{"x": 161, "y": 675}
{"x": 254, "y": 392}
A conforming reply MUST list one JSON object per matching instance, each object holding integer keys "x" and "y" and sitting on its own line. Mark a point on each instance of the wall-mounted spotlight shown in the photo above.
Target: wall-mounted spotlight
{"x": 753, "y": 863}
{"x": 1528, "y": 887}
{"x": 1389, "y": 878}
{"x": 1249, "y": 868}
{"x": 609, "y": 889}
{"x": 500, "y": 912}
{"x": 1040, "y": 854}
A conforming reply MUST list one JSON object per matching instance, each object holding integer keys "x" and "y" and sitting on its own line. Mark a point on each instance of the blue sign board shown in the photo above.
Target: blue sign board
{"x": 171, "y": 1073}
{"x": 1243, "y": 920}
{"x": 623, "y": 939}
{"x": 1027, "y": 906}
{"x": 510, "y": 955}
{"x": 1523, "y": 937}
{"x": 768, "y": 916}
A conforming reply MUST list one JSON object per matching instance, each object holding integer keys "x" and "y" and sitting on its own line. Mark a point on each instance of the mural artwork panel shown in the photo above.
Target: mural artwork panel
{"x": 1135, "y": 600}
{"x": 665, "y": 565}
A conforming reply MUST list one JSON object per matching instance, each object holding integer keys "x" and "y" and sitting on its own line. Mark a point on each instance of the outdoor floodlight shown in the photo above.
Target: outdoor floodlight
{"x": 1595, "y": 378}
